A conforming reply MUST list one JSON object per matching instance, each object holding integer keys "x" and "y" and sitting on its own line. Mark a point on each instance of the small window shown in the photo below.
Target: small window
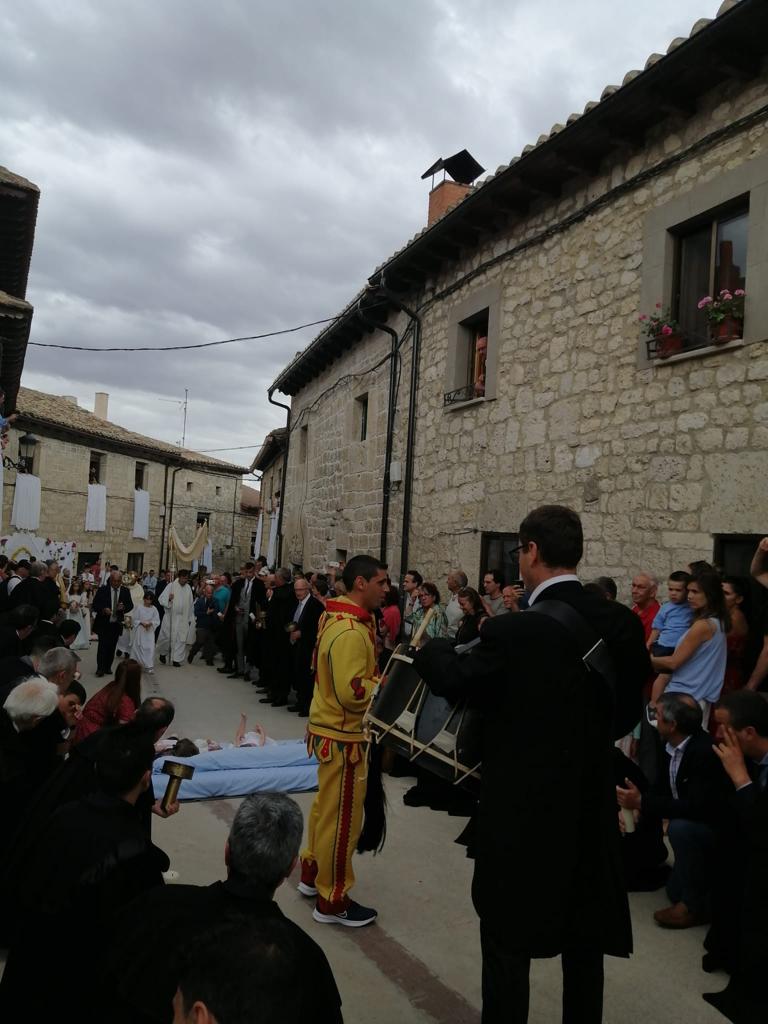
{"x": 140, "y": 482}
{"x": 218, "y": 491}
{"x": 96, "y": 468}
{"x": 471, "y": 359}
{"x": 189, "y": 486}
{"x": 710, "y": 256}
{"x": 341, "y": 556}
{"x": 361, "y": 417}
{"x": 497, "y": 552}
{"x": 303, "y": 444}
{"x": 135, "y": 561}
{"x": 203, "y": 517}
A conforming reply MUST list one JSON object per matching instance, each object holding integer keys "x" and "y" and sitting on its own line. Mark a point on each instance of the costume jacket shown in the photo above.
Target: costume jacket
{"x": 345, "y": 672}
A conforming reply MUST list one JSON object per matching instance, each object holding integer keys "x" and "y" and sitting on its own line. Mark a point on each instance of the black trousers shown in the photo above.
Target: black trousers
{"x": 105, "y": 652}
{"x": 506, "y": 989}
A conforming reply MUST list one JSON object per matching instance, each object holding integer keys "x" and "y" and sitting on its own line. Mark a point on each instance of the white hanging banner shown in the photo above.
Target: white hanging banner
{"x": 272, "y": 546}
{"x": 259, "y": 533}
{"x": 27, "y": 545}
{"x": 141, "y": 514}
{"x": 96, "y": 509}
{"x": 26, "y": 502}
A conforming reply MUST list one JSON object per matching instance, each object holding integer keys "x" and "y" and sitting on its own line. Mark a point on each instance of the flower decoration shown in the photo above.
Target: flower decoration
{"x": 728, "y": 304}
{"x": 660, "y": 323}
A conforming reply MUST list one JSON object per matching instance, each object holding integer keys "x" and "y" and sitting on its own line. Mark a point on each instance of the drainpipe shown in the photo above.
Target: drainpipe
{"x": 411, "y": 438}
{"x": 287, "y": 408}
{"x": 386, "y": 487}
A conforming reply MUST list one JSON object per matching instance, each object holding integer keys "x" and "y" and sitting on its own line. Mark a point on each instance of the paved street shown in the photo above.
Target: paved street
{"x": 420, "y": 963}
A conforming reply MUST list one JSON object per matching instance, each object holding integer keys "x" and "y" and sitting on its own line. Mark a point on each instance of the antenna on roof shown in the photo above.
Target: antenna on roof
{"x": 462, "y": 167}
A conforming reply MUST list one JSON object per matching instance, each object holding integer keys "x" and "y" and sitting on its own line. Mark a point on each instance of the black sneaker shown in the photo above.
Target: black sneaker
{"x": 163, "y": 659}
{"x": 354, "y": 916}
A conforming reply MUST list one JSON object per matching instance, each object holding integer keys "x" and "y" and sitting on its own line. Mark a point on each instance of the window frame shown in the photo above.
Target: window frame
{"x": 362, "y": 408}
{"x": 463, "y": 317}
{"x": 134, "y": 556}
{"x": 487, "y": 539}
{"x": 98, "y": 459}
{"x": 750, "y": 180}
{"x": 141, "y": 484}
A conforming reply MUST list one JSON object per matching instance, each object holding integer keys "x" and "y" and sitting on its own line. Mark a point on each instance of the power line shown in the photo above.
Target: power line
{"x": 181, "y": 348}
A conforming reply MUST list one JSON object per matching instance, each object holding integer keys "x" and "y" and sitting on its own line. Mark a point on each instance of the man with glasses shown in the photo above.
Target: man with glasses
{"x": 548, "y": 876}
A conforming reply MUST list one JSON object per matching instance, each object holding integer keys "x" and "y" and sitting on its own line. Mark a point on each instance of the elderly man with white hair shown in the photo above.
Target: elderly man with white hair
{"x": 26, "y": 707}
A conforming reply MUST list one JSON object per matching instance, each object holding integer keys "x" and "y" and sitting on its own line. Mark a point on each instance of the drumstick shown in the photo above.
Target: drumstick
{"x": 428, "y": 616}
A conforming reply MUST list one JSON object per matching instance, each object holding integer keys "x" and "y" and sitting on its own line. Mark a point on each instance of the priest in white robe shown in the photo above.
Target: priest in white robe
{"x": 178, "y": 628}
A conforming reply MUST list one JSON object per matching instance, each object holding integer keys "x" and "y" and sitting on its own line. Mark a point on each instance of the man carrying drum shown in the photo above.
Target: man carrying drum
{"x": 345, "y": 676}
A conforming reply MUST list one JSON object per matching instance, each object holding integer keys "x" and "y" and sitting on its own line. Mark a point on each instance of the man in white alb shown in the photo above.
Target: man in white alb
{"x": 177, "y": 629}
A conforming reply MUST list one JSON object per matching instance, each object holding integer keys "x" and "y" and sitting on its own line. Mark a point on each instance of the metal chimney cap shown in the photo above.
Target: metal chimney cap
{"x": 462, "y": 167}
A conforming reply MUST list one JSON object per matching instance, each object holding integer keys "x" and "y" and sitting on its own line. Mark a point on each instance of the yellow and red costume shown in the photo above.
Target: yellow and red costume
{"x": 345, "y": 675}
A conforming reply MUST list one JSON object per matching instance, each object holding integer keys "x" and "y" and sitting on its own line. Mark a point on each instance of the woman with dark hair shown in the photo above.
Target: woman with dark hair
{"x": 697, "y": 665}
{"x": 736, "y": 592}
{"x": 472, "y": 605}
{"x": 115, "y": 703}
{"x": 429, "y": 597}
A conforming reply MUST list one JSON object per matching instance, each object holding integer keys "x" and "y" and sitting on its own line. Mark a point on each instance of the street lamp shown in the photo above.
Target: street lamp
{"x": 27, "y": 444}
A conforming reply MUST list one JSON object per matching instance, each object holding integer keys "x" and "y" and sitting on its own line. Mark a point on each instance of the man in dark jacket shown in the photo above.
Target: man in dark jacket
{"x": 548, "y": 875}
{"x": 30, "y": 591}
{"x": 278, "y": 662}
{"x": 261, "y": 852}
{"x": 692, "y": 793}
{"x": 306, "y": 616}
{"x": 110, "y": 604}
{"x": 247, "y": 600}
{"x": 15, "y": 634}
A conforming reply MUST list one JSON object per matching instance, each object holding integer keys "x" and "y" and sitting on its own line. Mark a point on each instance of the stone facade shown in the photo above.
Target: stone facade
{"x": 62, "y": 461}
{"x": 660, "y": 458}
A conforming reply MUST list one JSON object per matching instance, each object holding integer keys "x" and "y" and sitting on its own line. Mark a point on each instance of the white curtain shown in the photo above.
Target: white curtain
{"x": 141, "y": 514}
{"x": 96, "y": 509}
{"x": 207, "y": 559}
{"x": 26, "y": 502}
{"x": 259, "y": 533}
{"x": 272, "y": 547}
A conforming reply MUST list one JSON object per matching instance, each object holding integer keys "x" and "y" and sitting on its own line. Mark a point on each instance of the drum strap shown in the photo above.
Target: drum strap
{"x": 596, "y": 656}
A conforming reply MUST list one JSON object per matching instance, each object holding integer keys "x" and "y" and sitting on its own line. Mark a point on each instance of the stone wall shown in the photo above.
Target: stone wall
{"x": 657, "y": 459}
{"x": 62, "y": 466}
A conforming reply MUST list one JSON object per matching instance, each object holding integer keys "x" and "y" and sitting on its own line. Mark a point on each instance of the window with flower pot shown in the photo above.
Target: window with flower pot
{"x": 710, "y": 271}
{"x": 472, "y": 349}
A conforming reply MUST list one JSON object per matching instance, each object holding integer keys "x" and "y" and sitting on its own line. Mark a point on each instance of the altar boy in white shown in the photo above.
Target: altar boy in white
{"x": 178, "y": 628}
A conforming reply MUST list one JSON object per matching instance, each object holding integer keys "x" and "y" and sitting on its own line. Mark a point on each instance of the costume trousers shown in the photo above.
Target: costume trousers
{"x": 105, "y": 652}
{"x": 506, "y": 987}
{"x": 335, "y": 821}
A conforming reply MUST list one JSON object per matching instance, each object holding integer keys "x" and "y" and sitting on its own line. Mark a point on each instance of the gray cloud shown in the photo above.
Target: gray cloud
{"x": 214, "y": 170}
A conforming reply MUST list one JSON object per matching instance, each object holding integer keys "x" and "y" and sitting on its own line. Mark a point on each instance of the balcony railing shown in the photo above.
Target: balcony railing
{"x": 465, "y": 394}
{"x": 664, "y": 346}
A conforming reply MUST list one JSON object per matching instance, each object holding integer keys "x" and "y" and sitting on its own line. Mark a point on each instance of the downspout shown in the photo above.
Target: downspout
{"x": 386, "y": 487}
{"x": 287, "y": 408}
{"x": 411, "y": 438}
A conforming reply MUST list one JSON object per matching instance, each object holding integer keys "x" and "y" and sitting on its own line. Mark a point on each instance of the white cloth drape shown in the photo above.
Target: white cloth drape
{"x": 96, "y": 509}
{"x": 272, "y": 546}
{"x": 206, "y": 560}
{"x": 26, "y": 502}
{"x": 141, "y": 514}
{"x": 259, "y": 534}
{"x": 188, "y": 552}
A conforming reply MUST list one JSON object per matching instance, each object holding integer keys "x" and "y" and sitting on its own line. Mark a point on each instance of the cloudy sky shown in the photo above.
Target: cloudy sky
{"x": 211, "y": 170}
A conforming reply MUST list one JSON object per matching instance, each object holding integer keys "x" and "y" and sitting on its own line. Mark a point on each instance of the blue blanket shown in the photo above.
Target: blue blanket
{"x": 282, "y": 767}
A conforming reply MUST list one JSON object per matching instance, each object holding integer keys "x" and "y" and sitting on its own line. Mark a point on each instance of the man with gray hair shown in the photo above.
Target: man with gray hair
{"x": 25, "y": 708}
{"x": 691, "y": 794}
{"x": 456, "y": 580}
{"x": 260, "y": 853}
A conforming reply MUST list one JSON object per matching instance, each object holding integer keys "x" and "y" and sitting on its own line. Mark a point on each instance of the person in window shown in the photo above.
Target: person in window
{"x": 473, "y": 615}
{"x": 493, "y": 584}
{"x": 429, "y": 597}
{"x": 697, "y": 665}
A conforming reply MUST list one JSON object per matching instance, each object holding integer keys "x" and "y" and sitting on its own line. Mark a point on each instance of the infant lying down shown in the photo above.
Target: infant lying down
{"x": 256, "y": 737}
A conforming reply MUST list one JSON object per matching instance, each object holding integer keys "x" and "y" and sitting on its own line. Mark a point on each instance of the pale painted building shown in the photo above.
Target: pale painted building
{"x": 75, "y": 448}
{"x": 533, "y": 382}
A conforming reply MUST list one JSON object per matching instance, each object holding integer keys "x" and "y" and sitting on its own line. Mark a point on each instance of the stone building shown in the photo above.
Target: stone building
{"x": 18, "y": 214}
{"x": 76, "y": 448}
{"x": 270, "y": 463}
{"x": 497, "y": 360}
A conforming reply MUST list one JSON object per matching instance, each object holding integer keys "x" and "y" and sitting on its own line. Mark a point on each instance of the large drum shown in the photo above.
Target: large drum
{"x": 406, "y": 717}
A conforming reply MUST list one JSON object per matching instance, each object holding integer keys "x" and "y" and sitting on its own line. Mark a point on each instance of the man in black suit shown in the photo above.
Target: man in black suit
{"x": 247, "y": 600}
{"x": 691, "y": 793}
{"x": 261, "y": 851}
{"x": 15, "y": 634}
{"x": 30, "y": 591}
{"x": 110, "y": 604}
{"x": 548, "y": 874}
{"x": 277, "y": 661}
{"x": 306, "y": 616}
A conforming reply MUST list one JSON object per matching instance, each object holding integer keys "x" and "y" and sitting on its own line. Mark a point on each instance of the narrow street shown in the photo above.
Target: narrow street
{"x": 421, "y": 962}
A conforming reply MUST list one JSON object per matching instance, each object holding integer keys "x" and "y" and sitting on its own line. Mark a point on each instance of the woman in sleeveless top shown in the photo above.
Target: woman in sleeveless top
{"x": 697, "y": 664}
{"x": 736, "y": 596}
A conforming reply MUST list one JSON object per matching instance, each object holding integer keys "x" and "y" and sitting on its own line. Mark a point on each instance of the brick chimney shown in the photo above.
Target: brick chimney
{"x": 101, "y": 405}
{"x": 442, "y": 197}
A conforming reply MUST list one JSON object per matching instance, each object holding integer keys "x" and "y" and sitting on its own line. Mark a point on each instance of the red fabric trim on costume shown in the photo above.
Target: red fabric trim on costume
{"x": 357, "y": 688}
{"x": 348, "y": 608}
{"x": 345, "y": 820}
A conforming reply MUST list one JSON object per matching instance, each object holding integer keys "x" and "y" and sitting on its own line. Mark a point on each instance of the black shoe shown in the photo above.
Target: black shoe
{"x": 279, "y": 703}
{"x": 265, "y": 700}
{"x": 209, "y": 663}
{"x": 225, "y": 669}
{"x": 99, "y": 674}
{"x": 303, "y": 714}
{"x": 235, "y": 675}
{"x": 262, "y": 689}
{"x": 163, "y": 659}
{"x": 177, "y": 664}
{"x": 190, "y": 658}
{"x": 294, "y": 707}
